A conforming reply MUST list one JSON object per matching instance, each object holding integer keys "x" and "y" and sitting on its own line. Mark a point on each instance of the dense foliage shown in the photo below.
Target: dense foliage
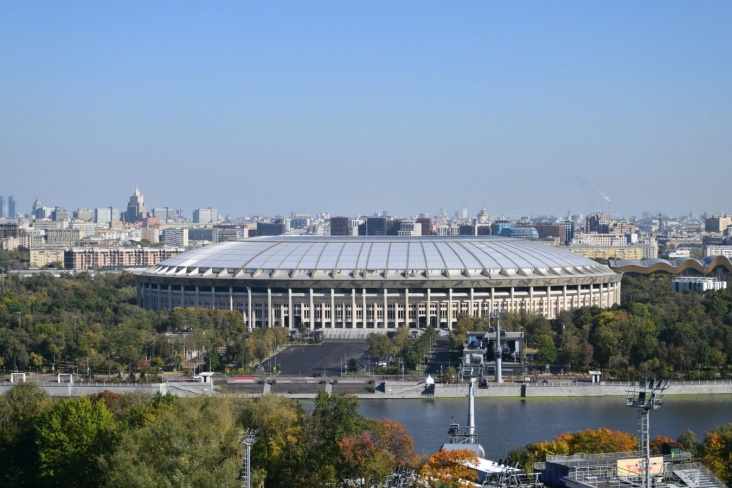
{"x": 715, "y": 452}
{"x": 165, "y": 441}
{"x": 91, "y": 324}
{"x": 654, "y": 332}
{"x": 406, "y": 353}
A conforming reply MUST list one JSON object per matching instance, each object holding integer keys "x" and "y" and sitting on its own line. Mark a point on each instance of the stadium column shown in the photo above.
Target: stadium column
{"x": 332, "y": 309}
{"x": 363, "y": 307}
{"x": 385, "y": 314}
{"x": 231, "y": 298}
{"x": 531, "y": 299}
{"x": 547, "y": 305}
{"x": 602, "y": 296}
{"x": 269, "y": 307}
{"x": 564, "y": 296}
{"x": 170, "y": 297}
{"x": 493, "y": 296}
{"x": 290, "y": 314}
{"x": 406, "y": 307}
{"x": 213, "y": 297}
{"x": 472, "y": 310}
{"x": 311, "y": 311}
{"x": 353, "y": 308}
{"x": 197, "y": 302}
{"x": 250, "y": 319}
{"x": 429, "y": 307}
{"x": 592, "y": 295}
{"x": 511, "y": 303}
{"x": 449, "y": 308}
{"x": 160, "y": 297}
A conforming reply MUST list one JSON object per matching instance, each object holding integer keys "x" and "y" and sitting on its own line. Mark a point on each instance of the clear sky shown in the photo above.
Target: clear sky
{"x": 357, "y": 107}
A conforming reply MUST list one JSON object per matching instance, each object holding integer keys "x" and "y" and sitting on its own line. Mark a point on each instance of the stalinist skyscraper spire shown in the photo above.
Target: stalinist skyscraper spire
{"x": 136, "y": 207}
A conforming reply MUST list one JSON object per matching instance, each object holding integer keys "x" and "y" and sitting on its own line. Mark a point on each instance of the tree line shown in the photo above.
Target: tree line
{"x": 654, "y": 332}
{"x": 141, "y": 440}
{"x": 92, "y": 325}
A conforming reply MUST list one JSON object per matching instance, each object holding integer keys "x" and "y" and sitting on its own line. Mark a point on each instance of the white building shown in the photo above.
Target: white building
{"x": 698, "y": 284}
{"x": 205, "y": 216}
{"x": 176, "y": 237}
{"x": 718, "y": 250}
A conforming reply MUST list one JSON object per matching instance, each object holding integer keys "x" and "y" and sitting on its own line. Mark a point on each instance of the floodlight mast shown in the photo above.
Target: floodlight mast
{"x": 646, "y": 396}
{"x": 497, "y": 314}
{"x": 248, "y": 438}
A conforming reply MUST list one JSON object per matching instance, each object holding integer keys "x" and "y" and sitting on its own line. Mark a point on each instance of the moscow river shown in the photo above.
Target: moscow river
{"x": 504, "y": 423}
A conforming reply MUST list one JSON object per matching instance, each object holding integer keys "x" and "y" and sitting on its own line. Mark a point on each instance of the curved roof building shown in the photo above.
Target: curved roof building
{"x": 672, "y": 266}
{"x": 377, "y": 282}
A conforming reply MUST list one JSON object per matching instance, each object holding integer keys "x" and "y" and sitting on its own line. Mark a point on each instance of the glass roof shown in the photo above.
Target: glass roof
{"x": 399, "y": 254}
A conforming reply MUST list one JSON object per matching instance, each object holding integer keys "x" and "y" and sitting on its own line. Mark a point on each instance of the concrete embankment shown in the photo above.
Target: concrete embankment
{"x": 369, "y": 389}
{"x": 538, "y": 390}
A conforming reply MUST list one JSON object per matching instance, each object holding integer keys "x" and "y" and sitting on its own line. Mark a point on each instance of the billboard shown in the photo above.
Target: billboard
{"x": 636, "y": 466}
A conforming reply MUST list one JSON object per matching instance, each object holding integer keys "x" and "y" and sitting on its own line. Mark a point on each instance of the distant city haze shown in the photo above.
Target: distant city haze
{"x": 358, "y": 107}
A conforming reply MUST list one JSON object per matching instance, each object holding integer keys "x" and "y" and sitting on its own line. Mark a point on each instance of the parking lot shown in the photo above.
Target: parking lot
{"x": 331, "y": 358}
{"x": 327, "y": 359}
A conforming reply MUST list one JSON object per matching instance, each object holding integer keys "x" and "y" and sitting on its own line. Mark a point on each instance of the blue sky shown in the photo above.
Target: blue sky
{"x": 350, "y": 107}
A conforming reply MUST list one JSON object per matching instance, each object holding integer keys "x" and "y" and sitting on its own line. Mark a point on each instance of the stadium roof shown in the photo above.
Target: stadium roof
{"x": 331, "y": 257}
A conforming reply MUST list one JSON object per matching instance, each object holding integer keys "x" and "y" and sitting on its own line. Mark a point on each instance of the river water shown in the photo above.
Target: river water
{"x": 504, "y": 423}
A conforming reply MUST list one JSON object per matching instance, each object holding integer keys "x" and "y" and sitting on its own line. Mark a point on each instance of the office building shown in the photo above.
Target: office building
{"x": 205, "y": 216}
{"x": 176, "y": 237}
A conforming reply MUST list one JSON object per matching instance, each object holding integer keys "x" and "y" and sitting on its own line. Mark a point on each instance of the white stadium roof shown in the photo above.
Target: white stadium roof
{"x": 303, "y": 257}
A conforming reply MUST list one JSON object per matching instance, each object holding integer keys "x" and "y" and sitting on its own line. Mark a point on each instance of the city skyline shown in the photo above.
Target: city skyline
{"x": 342, "y": 108}
{"x": 189, "y": 210}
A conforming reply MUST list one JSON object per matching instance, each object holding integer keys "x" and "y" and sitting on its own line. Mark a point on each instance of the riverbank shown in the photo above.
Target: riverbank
{"x": 378, "y": 389}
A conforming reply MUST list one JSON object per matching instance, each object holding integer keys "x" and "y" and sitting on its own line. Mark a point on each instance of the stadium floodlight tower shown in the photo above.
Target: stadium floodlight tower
{"x": 498, "y": 355}
{"x": 646, "y": 396}
{"x": 248, "y": 438}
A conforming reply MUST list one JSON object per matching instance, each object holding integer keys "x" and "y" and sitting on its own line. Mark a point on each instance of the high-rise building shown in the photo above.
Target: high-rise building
{"x": 3, "y": 211}
{"x": 177, "y": 237}
{"x": 205, "y": 216}
{"x": 135, "y": 207}
{"x": 165, "y": 214}
{"x": 59, "y": 214}
{"x": 427, "y": 226}
{"x": 374, "y": 226}
{"x": 83, "y": 214}
{"x": 340, "y": 226}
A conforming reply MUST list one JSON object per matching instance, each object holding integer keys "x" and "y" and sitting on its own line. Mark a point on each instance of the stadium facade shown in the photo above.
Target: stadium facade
{"x": 377, "y": 282}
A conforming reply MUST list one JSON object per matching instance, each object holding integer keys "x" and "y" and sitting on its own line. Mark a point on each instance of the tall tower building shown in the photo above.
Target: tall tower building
{"x": 135, "y": 208}
{"x": 11, "y": 207}
{"x": 2, "y": 207}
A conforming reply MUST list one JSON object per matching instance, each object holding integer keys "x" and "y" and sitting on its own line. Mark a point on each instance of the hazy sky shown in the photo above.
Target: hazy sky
{"x": 356, "y": 107}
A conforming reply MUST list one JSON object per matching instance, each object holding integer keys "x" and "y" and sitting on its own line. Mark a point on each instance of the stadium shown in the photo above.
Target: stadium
{"x": 377, "y": 282}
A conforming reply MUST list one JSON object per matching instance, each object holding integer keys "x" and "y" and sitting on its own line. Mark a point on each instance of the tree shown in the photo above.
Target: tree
{"x": 73, "y": 439}
{"x": 278, "y": 449}
{"x": 20, "y": 409}
{"x": 717, "y": 452}
{"x": 380, "y": 346}
{"x": 450, "y": 468}
{"x": 193, "y": 444}
{"x": 586, "y": 441}
{"x": 450, "y": 375}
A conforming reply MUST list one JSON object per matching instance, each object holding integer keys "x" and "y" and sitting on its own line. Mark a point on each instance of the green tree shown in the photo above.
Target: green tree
{"x": 192, "y": 444}
{"x": 20, "y": 409}
{"x": 380, "y": 346}
{"x": 73, "y": 439}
